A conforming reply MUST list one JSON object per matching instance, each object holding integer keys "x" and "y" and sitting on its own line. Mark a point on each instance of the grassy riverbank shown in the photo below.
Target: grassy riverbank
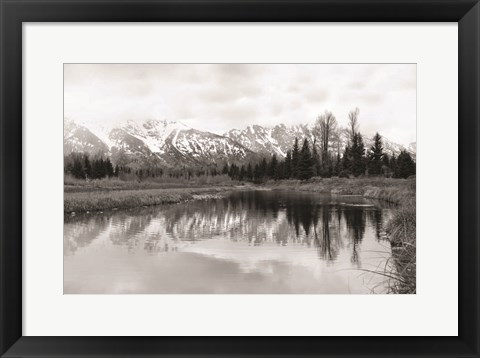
{"x": 124, "y": 199}
{"x": 72, "y": 185}
{"x": 402, "y": 235}
{"x": 397, "y": 191}
{"x": 108, "y": 194}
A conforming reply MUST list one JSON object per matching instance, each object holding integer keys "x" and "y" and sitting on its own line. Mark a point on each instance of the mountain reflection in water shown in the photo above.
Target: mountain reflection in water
{"x": 246, "y": 242}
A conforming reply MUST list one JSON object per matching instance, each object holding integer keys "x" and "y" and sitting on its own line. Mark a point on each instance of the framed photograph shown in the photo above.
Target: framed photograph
{"x": 239, "y": 178}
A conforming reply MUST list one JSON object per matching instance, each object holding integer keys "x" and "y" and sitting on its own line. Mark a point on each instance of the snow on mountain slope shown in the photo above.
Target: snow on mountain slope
{"x": 101, "y": 131}
{"x": 197, "y": 147}
{"x": 285, "y": 136}
{"x": 154, "y": 133}
{"x": 176, "y": 144}
{"x": 77, "y": 138}
{"x": 172, "y": 143}
{"x": 257, "y": 139}
{"x": 121, "y": 140}
{"x": 280, "y": 138}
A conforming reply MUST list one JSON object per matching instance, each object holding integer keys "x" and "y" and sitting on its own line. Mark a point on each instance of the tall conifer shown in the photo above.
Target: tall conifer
{"x": 295, "y": 159}
{"x": 305, "y": 163}
{"x": 375, "y": 157}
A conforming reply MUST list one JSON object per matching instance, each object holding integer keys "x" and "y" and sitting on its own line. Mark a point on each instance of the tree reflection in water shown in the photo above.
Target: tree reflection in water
{"x": 327, "y": 223}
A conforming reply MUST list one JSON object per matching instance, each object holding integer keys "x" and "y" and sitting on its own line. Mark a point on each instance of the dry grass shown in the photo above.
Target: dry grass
{"x": 123, "y": 199}
{"x": 113, "y": 193}
{"x": 73, "y": 185}
{"x": 397, "y": 191}
{"x": 402, "y": 234}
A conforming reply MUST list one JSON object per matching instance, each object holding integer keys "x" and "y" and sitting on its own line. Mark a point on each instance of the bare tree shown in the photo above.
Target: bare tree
{"x": 336, "y": 141}
{"x": 326, "y": 129}
{"x": 353, "y": 123}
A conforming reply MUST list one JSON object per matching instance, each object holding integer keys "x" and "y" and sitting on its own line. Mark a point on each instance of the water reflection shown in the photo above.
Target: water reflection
{"x": 274, "y": 236}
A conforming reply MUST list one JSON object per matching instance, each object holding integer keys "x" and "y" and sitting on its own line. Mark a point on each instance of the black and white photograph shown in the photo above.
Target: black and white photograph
{"x": 239, "y": 178}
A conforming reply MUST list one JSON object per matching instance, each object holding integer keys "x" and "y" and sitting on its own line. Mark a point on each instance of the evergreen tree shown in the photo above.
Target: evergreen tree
{"x": 347, "y": 160}
{"x": 287, "y": 172}
{"x": 103, "y": 168}
{"x": 242, "y": 173}
{"x": 295, "y": 159}
{"x": 405, "y": 165}
{"x": 305, "y": 163}
{"x": 108, "y": 168}
{"x": 236, "y": 172}
{"x": 77, "y": 168}
{"x": 95, "y": 170}
{"x": 87, "y": 167}
{"x": 263, "y": 168}
{"x": 249, "y": 173}
{"x": 232, "y": 171}
{"x": 225, "y": 169}
{"x": 358, "y": 155}
{"x": 376, "y": 156}
{"x": 337, "y": 167}
{"x": 67, "y": 165}
{"x": 279, "y": 171}
{"x": 117, "y": 170}
{"x": 272, "y": 167}
{"x": 316, "y": 161}
{"x": 257, "y": 176}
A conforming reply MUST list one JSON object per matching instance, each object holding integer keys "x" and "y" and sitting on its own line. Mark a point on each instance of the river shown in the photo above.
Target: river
{"x": 251, "y": 241}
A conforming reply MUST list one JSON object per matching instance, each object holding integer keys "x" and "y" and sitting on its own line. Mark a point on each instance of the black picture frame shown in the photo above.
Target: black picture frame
{"x": 15, "y": 12}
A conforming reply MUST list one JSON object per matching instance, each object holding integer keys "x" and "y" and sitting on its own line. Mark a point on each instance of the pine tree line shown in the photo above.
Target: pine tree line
{"x": 81, "y": 166}
{"x": 305, "y": 162}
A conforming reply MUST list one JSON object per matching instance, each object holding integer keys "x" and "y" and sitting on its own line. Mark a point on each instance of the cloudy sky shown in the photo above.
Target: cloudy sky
{"x": 221, "y": 97}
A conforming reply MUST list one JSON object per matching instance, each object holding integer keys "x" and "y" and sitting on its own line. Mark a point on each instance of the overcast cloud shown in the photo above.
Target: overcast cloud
{"x": 218, "y": 98}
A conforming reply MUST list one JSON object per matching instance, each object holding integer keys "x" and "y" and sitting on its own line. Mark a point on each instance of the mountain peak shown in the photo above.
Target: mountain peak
{"x": 174, "y": 143}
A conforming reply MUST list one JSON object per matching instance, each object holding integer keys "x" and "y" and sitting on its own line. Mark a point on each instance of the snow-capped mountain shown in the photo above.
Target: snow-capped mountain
{"x": 77, "y": 138}
{"x": 155, "y": 133}
{"x": 177, "y": 144}
{"x": 174, "y": 144}
{"x": 268, "y": 141}
{"x": 279, "y": 139}
{"x": 166, "y": 142}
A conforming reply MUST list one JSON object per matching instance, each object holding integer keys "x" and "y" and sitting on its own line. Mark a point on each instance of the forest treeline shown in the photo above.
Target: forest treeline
{"x": 320, "y": 156}
{"x": 305, "y": 163}
{"x": 84, "y": 166}
{"x": 81, "y": 166}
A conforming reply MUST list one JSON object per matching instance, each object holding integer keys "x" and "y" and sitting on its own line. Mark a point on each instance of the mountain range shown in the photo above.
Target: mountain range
{"x": 171, "y": 143}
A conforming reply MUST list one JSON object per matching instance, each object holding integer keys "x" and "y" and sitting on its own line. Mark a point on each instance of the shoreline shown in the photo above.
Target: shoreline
{"x": 395, "y": 191}
{"x": 91, "y": 198}
{"x": 104, "y": 200}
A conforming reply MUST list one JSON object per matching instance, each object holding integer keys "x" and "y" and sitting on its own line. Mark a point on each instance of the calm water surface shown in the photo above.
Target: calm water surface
{"x": 246, "y": 242}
